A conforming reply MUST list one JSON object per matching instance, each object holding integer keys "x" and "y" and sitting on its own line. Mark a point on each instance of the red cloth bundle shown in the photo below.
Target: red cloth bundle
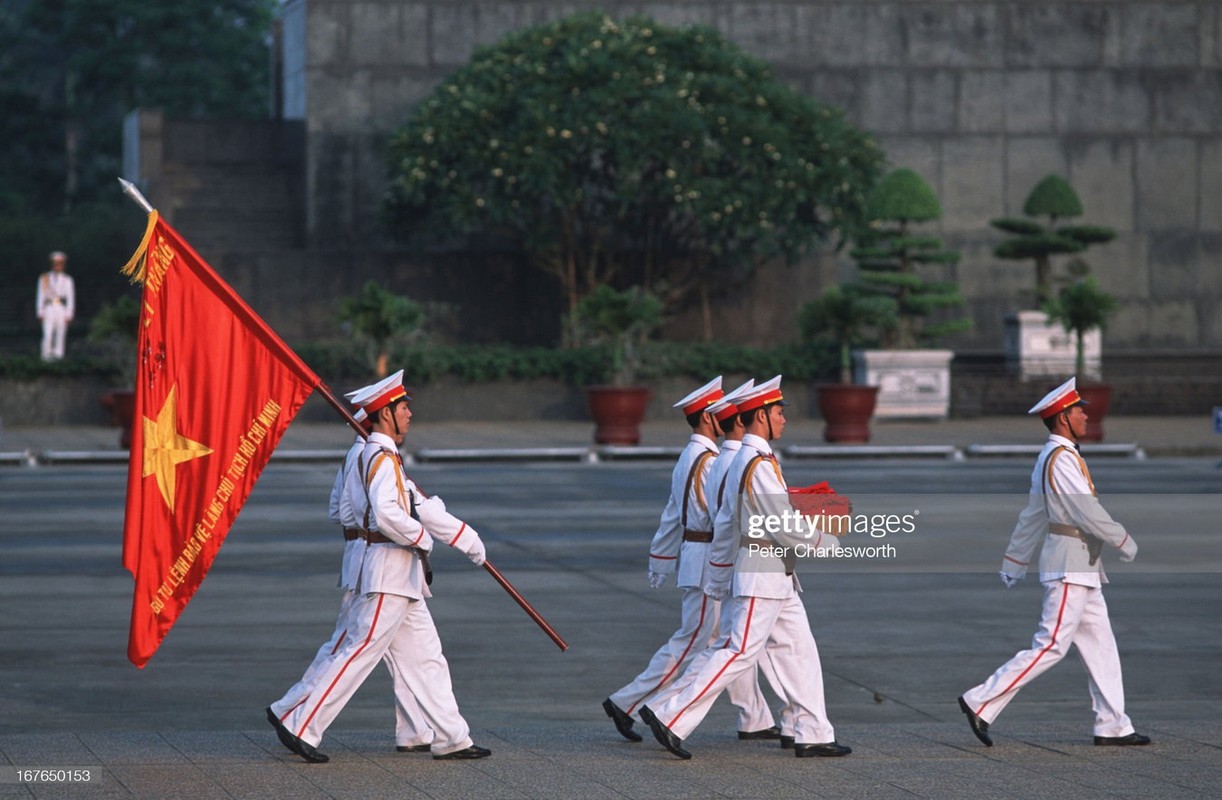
{"x": 833, "y": 511}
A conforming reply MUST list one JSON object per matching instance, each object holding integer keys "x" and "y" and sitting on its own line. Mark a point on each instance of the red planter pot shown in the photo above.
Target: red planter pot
{"x": 846, "y": 410}
{"x": 122, "y": 406}
{"x": 617, "y": 412}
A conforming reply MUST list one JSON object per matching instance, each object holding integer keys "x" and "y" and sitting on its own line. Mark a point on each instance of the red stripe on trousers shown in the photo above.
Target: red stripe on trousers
{"x": 1049, "y": 646}
{"x": 704, "y": 599}
{"x": 707, "y": 686}
{"x": 373, "y": 627}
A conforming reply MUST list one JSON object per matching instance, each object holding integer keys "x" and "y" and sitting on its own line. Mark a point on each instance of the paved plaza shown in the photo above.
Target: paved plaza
{"x": 898, "y": 644}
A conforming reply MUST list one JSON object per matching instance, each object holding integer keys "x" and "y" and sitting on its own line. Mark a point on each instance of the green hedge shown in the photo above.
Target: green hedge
{"x": 25, "y": 367}
{"x": 343, "y": 363}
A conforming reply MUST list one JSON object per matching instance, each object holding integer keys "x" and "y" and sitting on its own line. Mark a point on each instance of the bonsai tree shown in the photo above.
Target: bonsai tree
{"x": 116, "y": 328}
{"x": 1054, "y": 199}
{"x": 889, "y": 254}
{"x": 620, "y": 321}
{"x": 848, "y": 318}
{"x": 1081, "y": 307}
{"x": 628, "y": 152}
{"x": 380, "y": 317}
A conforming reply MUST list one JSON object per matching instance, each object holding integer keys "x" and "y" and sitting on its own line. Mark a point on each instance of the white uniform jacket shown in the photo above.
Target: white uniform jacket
{"x": 343, "y": 513}
{"x": 1063, "y": 494}
{"x": 688, "y": 509}
{"x": 755, "y": 488}
{"x": 56, "y": 289}
{"x": 394, "y": 568}
{"x": 715, "y": 482}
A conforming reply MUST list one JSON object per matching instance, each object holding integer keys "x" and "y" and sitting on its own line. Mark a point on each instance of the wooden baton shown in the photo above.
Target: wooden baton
{"x": 527, "y": 607}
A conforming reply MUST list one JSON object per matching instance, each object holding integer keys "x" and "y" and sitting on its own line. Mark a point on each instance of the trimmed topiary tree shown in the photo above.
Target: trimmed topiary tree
{"x": 846, "y": 318}
{"x": 1052, "y": 198}
{"x": 379, "y": 317}
{"x": 628, "y": 152}
{"x": 1080, "y": 308}
{"x": 889, "y": 256}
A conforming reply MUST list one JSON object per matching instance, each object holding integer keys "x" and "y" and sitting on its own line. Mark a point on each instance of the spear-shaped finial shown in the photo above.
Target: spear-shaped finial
{"x": 131, "y": 191}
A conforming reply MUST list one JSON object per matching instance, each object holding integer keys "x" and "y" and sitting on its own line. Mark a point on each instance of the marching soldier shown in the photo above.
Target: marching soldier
{"x": 55, "y": 306}
{"x": 390, "y": 616}
{"x": 1064, "y": 515}
{"x": 730, "y": 425}
{"x": 680, "y": 546}
{"x": 766, "y": 612}
{"x": 411, "y": 736}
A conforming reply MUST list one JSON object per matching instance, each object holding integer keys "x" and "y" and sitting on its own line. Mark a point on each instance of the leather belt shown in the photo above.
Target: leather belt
{"x": 376, "y": 537}
{"x": 352, "y": 534}
{"x": 1094, "y": 545}
{"x": 697, "y": 536}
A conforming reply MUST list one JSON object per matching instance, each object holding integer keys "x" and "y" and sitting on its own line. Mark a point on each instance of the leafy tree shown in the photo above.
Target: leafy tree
{"x": 888, "y": 257}
{"x": 847, "y": 318}
{"x": 628, "y": 152}
{"x": 1056, "y": 200}
{"x": 380, "y": 317}
{"x": 1081, "y": 307}
{"x": 73, "y": 68}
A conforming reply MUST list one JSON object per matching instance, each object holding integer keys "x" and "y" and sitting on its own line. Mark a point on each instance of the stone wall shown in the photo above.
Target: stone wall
{"x": 982, "y": 98}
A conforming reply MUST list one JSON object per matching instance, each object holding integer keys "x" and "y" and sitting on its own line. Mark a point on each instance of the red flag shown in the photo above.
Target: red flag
{"x": 215, "y": 390}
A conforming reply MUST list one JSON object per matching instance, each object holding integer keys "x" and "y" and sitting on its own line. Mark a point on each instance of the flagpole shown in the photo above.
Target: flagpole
{"x": 342, "y": 408}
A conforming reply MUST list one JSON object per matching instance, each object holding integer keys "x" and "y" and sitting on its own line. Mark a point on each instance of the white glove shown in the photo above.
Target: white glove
{"x": 717, "y": 592}
{"x": 1009, "y": 580}
{"x": 1129, "y": 552}
{"x": 656, "y": 579}
{"x": 477, "y": 554}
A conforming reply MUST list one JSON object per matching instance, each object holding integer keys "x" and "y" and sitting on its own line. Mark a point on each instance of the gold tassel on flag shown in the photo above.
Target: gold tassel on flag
{"x": 136, "y": 267}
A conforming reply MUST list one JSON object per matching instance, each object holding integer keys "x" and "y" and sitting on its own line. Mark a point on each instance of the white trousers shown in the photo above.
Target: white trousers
{"x": 409, "y": 729}
{"x": 1072, "y": 615}
{"x": 725, "y": 624}
{"x": 402, "y": 630}
{"x": 54, "y": 331}
{"x": 779, "y": 630}
{"x": 698, "y": 628}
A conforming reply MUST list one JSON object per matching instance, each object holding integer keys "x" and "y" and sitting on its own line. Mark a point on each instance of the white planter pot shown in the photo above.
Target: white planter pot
{"x": 913, "y": 384}
{"x": 1037, "y": 348}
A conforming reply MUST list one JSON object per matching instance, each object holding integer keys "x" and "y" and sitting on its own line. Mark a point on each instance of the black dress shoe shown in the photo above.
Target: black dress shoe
{"x": 1132, "y": 740}
{"x": 663, "y": 734}
{"x": 412, "y": 748}
{"x": 623, "y": 722}
{"x": 295, "y": 745}
{"x": 767, "y": 733}
{"x": 281, "y": 732}
{"x": 978, "y": 726}
{"x": 786, "y": 742}
{"x": 466, "y": 754}
{"x": 826, "y": 750}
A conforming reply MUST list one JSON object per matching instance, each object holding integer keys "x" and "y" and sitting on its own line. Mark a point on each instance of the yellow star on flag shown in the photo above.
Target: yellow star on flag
{"x": 165, "y": 448}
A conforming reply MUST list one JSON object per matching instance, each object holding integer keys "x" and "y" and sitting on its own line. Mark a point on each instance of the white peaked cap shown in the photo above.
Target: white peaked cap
{"x": 727, "y": 401}
{"x": 1063, "y": 397}
{"x": 761, "y": 395}
{"x": 377, "y": 396}
{"x": 702, "y": 398}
